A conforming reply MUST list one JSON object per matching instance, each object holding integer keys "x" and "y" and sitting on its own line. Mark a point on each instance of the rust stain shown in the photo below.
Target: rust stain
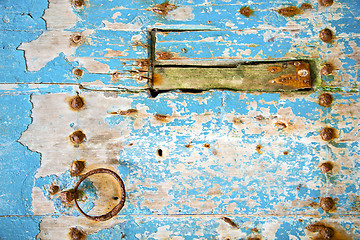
{"x": 129, "y": 112}
{"x": 326, "y": 167}
{"x": 230, "y": 222}
{"x": 327, "y": 69}
{"x": 163, "y": 8}
{"x": 280, "y": 125}
{"x": 77, "y": 137}
{"x": 77, "y": 103}
{"x": 286, "y": 153}
{"x": 274, "y": 69}
{"x": 327, "y": 204}
{"x": 143, "y": 64}
{"x": 298, "y": 187}
{"x": 326, "y": 35}
{"x": 162, "y": 118}
{"x": 189, "y": 145}
{"x": 326, "y": 3}
{"x": 289, "y": 11}
{"x": 300, "y": 79}
{"x": 237, "y": 121}
{"x": 325, "y": 100}
{"x": 53, "y": 189}
{"x": 76, "y": 233}
{"x": 116, "y": 53}
{"x": 253, "y": 238}
{"x": 115, "y": 76}
{"x": 258, "y": 149}
{"x": 164, "y": 55}
{"x": 260, "y": 117}
{"x": 305, "y": 6}
{"x": 77, "y": 167}
{"x": 246, "y": 11}
{"x": 157, "y": 80}
{"x": 206, "y": 145}
{"x": 328, "y": 134}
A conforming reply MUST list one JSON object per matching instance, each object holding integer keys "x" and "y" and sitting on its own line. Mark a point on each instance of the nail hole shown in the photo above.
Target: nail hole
{"x": 160, "y": 152}
{"x": 115, "y": 198}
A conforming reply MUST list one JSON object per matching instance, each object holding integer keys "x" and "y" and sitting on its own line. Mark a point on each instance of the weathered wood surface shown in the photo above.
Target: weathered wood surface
{"x": 251, "y": 157}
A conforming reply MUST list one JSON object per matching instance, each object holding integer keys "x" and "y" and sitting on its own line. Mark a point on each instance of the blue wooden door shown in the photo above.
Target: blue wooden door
{"x": 212, "y": 164}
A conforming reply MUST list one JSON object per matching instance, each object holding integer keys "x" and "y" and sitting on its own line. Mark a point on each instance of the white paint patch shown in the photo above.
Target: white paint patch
{"x": 270, "y": 229}
{"x": 41, "y": 205}
{"x": 56, "y": 149}
{"x": 164, "y": 233}
{"x": 59, "y": 16}
{"x": 46, "y": 48}
{"x": 58, "y": 228}
{"x": 181, "y": 14}
{"x": 90, "y": 64}
{"x": 230, "y": 24}
{"x": 226, "y": 231}
{"x": 122, "y": 26}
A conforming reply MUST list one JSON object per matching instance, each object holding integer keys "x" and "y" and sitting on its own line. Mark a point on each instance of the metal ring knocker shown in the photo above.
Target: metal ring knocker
{"x": 113, "y": 211}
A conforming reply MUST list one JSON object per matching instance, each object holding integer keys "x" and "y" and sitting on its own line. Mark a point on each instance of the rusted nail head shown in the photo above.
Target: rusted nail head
{"x": 77, "y": 39}
{"x": 326, "y": 3}
{"x": 327, "y": 203}
{"x": 77, "y": 234}
{"x": 77, "y": 167}
{"x": 77, "y": 103}
{"x": 327, "y": 69}
{"x": 77, "y": 137}
{"x": 67, "y": 196}
{"x": 327, "y": 233}
{"x": 327, "y": 134}
{"x": 246, "y": 11}
{"x": 325, "y": 100}
{"x": 326, "y": 167}
{"x": 53, "y": 189}
{"x": 326, "y": 35}
{"x": 78, "y": 72}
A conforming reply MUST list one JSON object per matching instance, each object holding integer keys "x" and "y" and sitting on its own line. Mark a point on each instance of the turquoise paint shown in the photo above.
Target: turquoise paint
{"x": 19, "y": 164}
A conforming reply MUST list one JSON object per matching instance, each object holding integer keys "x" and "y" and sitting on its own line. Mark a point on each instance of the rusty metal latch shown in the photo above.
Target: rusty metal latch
{"x": 253, "y": 76}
